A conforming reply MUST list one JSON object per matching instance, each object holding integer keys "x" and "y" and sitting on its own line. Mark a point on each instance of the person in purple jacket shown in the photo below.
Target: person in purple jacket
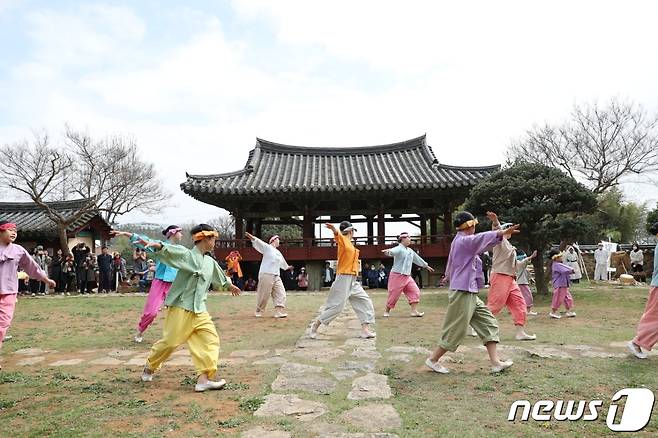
{"x": 12, "y": 257}
{"x": 561, "y": 281}
{"x": 464, "y": 306}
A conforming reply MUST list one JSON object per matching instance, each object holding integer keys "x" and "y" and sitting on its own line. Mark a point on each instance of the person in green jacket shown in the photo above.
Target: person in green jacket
{"x": 187, "y": 318}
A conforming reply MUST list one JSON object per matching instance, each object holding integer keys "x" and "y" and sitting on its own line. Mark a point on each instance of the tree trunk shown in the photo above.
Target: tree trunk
{"x": 540, "y": 276}
{"x": 63, "y": 239}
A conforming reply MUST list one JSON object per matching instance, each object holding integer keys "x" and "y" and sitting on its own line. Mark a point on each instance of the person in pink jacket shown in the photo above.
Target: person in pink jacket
{"x": 13, "y": 257}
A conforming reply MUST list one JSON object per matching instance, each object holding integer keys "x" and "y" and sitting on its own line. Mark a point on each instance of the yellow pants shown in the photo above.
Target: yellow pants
{"x": 198, "y": 330}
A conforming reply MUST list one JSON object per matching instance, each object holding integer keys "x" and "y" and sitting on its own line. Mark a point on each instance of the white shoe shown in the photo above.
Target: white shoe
{"x": 472, "y": 332}
{"x": 139, "y": 337}
{"x": 436, "y": 367}
{"x": 570, "y": 314}
{"x": 280, "y": 314}
{"x": 525, "y": 337}
{"x": 635, "y": 351}
{"x": 146, "y": 375}
{"x": 503, "y": 366}
{"x": 7, "y": 337}
{"x": 417, "y": 314}
{"x": 368, "y": 334}
{"x": 554, "y": 315}
{"x": 386, "y": 315}
{"x": 532, "y": 313}
{"x": 210, "y": 384}
{"x": 314, "y": 330}
{"x": 258, "y": 314}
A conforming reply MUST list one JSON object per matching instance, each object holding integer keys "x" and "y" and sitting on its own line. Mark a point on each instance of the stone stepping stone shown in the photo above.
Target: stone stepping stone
{"x": 111, "y": 361}
{"x": 290, "y": 405}
{"x": 400, "y": 358}
{"x": 67, "y": 362}
{"x": 357, "y": 366}
{"x": 249, "y": 353}
{"x": 361, "y": 343}
{"x": 122, "y": 353}
{"x": 275, "y": 360}
{"x": 136, "y": 361}
{"x": 31, "y": 361}
{"x": 313, "y": 383}
{"x": 344, "y": 375}
{"x": 259, "y": 432}
{"x": 31, "y": 352}
{"x": 603, "y": 354}
{"x": 232, "y": 361}
{"x": 370, "y": 386}
{"x": 373, "y": 418}
{"x": 366, "y": 354}
{"x": 409, "y": 350}
{"x": 322, "y": 354}
{"x": 292, "y": 369}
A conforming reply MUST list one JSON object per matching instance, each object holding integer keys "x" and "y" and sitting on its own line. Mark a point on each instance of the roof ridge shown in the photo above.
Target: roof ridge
{"x": 31, "y": 205}
{"x": 270, "y": 146}
{"x": 448, "y": 166}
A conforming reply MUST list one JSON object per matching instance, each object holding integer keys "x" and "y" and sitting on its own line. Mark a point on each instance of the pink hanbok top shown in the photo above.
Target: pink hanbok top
{"x": 12, "y": 257}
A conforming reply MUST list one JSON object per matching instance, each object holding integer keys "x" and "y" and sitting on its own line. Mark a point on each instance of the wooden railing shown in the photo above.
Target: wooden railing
{"x": 326, "y": 242}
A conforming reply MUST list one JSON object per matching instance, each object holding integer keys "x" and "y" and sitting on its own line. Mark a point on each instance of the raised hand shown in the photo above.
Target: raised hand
{"x": 249, "y": 236}
{"x": 514, "y": 229}
{"x": 115, "y": 233}
{"x": 534, "y": 254}
{"x": 493, "y": 217}
{"x": 330, "y": 226}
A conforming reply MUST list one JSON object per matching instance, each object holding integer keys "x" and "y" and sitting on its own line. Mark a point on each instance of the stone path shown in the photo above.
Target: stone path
{"x": 337, "y": 362}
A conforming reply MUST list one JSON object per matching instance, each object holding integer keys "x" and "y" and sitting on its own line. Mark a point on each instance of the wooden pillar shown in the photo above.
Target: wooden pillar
{"x": 370, "y": 225}
{"x": 423, "y": 229}
{"x": 433, "y": 228}
{"x": 308, "y": 228}
{"x": 258, "y": 228}
{"x": 239, "y": 229}
{"x": 250, "y": 226}
{"x": 381, "y": 229}
{"x": 447, "y": 220}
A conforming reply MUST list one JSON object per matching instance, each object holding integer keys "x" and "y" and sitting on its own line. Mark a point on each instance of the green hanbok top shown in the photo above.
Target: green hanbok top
{"x": 196, "y": 272}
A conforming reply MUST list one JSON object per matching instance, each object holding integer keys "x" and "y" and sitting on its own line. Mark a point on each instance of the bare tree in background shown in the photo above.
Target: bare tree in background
{"x": 225, "y": 225}
{"x": 108, "y": 173}
{"x": 597, "y": 146}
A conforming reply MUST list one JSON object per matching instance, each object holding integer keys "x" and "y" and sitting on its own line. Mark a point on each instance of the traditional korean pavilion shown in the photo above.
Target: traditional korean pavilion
{"x": 369, "y": 185}
{"x": 36, "y": 228}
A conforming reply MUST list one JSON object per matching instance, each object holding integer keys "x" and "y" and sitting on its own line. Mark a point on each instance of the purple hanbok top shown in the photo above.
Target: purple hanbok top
{"x": 461, "y": 270}
{"x": 561, "y": 274}
{"x": 12, "y": 257}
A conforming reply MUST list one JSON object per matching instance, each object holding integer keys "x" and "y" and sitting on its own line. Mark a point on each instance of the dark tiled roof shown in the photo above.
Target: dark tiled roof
{"x": 276, "y": 168}
{"x": 32, "y": 220}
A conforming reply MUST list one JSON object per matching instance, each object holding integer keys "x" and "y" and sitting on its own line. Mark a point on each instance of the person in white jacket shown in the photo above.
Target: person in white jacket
{"x": 269, "y": 276}
{"x": 601, "y": 269}
{"x": 571, "y": 259}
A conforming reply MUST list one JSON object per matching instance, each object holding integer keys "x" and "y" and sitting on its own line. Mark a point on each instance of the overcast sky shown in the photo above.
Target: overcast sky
{"x": 195, "y": 85}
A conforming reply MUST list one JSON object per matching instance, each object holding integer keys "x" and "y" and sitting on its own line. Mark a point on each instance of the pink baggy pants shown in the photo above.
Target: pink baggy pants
{"x": 562, "y": 295}
{"x": 154, "y": 301}
{"x": 398, "y": 284}
{"x": 504, "y": 291}
{"x": 7, "y": 307}
{"x": 647, "y": 329}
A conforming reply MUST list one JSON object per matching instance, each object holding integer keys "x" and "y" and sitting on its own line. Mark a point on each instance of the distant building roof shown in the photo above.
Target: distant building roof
{"x": 274, "y": 168}
{"x": 33, "y": 222}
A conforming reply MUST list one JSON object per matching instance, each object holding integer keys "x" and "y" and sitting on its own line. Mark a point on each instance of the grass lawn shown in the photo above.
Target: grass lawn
{"x": 101, "y": 400}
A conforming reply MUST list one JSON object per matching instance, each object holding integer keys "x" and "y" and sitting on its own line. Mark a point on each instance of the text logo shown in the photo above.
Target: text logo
{"x": 633, "y": 417}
